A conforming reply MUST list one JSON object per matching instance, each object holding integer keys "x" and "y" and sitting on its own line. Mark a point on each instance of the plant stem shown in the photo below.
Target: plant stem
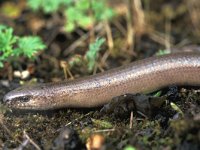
{"x": 109, "y": 36}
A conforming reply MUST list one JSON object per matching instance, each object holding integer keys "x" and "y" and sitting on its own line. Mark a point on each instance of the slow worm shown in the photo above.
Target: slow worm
{"x": 142, "y": 76}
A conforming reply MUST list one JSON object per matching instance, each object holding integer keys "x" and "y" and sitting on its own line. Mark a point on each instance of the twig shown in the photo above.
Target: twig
{"x": 31, "y": 141}
{"x": 131, "y": 120}
{"x": 159, "y": 37}
{"x": 78, "y": 42}
{"x": 104, "y": 58}
{"x": 52, "y": 36}
{"x": 142, "y": 114}
{"x": 78, "y": 118}
{"x": 120, "y": 27}
{"x": 130, "y": 30}
{"x": 167, "y": 35}
{"x": 7, "y": 130}
{"x": 138, "y": 16}
{"x": 104, "y": 130}
{"x": 109, "y": 35}
{"x": 22, "y": 145}
{"x": 66, "y": 69}
{"x": 91, "y": 31}
{"x": 193, "y": 9}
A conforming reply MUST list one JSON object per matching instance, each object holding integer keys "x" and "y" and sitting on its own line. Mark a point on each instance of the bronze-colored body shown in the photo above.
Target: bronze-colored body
{"x": 138, "y": 77}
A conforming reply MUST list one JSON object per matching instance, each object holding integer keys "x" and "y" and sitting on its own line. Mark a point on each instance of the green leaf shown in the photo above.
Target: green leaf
{"x": 48, "y": 6}
{"x": 85, "y": 21}
{"x": 163, "y": 52}
{"x": 129, "y": 148}
{"x": 176, "y": 108}
{"x": 1, "y": 64}
{"x": 101, "y": 11}
{"x": 2, "y": 27}
{"x": 157, "y": 94}
{"x": 83, "y": 5}
{"x": 7, "y": 39}
{"x": 92, "y": 53}
{"x": 29, "y": 46}
{"x": 76, "y": 17}
{"x": 69, "y": 27}
{"x": 102, "y": 123}
{"x": 71, "y": 14}
{"x": 77, "y": 12}
{"x": 14, "y": 46}
{"x": 34, "y": 4}
{"x": 108, "y": 14}
{"x": 66, "y": 2}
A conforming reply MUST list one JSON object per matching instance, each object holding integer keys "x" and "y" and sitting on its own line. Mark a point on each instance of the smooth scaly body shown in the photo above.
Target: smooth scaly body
{"x": 142, "y": 76}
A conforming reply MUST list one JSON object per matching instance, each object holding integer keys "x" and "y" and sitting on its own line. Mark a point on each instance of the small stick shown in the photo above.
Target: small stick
{"x": 131, "y": 120}
{"x": 78, "y": 42}
{"x": 167, "y": 36}
{"x": 7, "y": 130}
{"x": 31, "y": 141}
{"x": 78, "y": 118}
{"x": 66, "y": 69}
{"x": 130, "y": 30}
{"x": 104, "y": 130}
{"x": 109, "y": 35}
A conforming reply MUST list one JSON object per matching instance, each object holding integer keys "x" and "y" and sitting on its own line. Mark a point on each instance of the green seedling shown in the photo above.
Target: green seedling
{"x": 129, "y": 147}
{"x": 102, "y": 123}
{"x": 176, "y": 108}
{"x": 85, "y": 13}
{"x": 81, "y": 13}
{"x": 162, "y": 52}
{"x": 92, "y": 54}
{"x": 12, "y": 46}
{"x": 157, "y": 94}
{"x": 47, "y": 6}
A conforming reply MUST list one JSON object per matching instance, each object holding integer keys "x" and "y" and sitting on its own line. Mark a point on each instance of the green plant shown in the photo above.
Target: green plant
{"x": 129, "y": 147}
{"x": 48, "y": 6}
{"x": 12, "y": 46}
{"x": 84, "y": 13}
{"x": 162, "y": 52}
{"x": 176, "y": 108}
{"x": 90, "y": 57}
{"x": 77, "y": 15}
{"x": 80, "y": 13}
{"x": 92, "y": 54}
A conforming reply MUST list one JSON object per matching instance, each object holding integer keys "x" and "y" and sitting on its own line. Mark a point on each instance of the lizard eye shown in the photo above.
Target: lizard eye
{"x": 21, "y": 99}
{"x": 24, "y": 98}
